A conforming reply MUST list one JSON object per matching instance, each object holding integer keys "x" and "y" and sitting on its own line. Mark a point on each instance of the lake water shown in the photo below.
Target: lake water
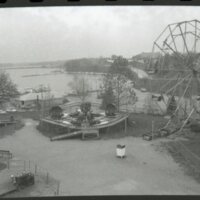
{"x": 58, "y": 82}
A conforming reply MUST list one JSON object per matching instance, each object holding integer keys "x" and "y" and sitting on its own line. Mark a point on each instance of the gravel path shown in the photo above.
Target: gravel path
{"x": 91, "y": 167}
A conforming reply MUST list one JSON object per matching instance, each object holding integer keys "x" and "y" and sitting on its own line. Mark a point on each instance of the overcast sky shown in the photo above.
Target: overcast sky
{"x": 59, "y": 33}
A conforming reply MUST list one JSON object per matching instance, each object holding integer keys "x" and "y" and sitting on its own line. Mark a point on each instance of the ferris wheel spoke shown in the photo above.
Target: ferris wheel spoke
{"x": 194, "y": 26}
{"x": 179, "y": 102}
{"x": 168, "y": 82}
{"x": 184, "y": 39}
{"x": 177, "y": 68}
{"x": 179, "y": 82}
{"x": 174, "y": 51}
{"x": 161, "y": 48}
{"x": 172, "y": 36}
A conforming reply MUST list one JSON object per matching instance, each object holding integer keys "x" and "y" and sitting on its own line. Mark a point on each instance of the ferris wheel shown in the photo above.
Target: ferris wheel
{"x": 175, "y": 69}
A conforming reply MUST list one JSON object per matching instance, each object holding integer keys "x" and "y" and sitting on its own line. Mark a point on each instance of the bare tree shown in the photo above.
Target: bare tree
{"x": 122, "y": 88}
{"x": 121, "y": 79}
{"x": 80, "y": 87}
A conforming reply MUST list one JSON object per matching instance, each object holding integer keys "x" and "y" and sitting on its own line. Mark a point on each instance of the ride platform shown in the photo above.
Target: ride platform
{"x": 85, "y": 132}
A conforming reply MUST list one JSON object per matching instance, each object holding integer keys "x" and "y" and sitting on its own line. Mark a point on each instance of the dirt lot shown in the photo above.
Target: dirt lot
{"x": 91, "y": 167}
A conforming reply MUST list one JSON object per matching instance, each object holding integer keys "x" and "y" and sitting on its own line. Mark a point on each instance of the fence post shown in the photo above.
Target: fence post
{"x": 47, "y": 179}
{"x": 152, "y": 129}
{"x": 58, "y": 188}
{"x": 35, "y": 169}
{"x": 24, "y": 165}
{"x": 29, "y": 165}
{"x": 8, "y": 163}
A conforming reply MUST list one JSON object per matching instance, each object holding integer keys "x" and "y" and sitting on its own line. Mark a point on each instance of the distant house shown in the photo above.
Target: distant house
{"x": 147, "y": 55}
{"x": 32, "y": 100}
{"x": 142, "y": 60}
{"x": 137, "y": 63}
{"x": 110, "y": 60}
{"x": 28, "y": 99}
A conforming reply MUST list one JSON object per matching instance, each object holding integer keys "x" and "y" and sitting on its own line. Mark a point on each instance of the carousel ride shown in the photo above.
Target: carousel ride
{"x": 79, "y": 119}
{"x": 175, "y": 73}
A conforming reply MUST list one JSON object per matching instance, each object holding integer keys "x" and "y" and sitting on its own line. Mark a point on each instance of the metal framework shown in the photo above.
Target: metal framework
{"x": 180, "y": 40}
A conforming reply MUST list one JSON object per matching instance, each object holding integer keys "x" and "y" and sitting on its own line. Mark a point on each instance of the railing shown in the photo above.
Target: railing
{"x": 45, "y": 184}
{"x": 146, "y": 109}
{"x": 72, "y": 106}
{"x": 5, "y": 154}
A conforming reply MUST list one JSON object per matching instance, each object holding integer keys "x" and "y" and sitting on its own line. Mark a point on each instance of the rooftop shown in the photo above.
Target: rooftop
{"x": 34, "y": 96}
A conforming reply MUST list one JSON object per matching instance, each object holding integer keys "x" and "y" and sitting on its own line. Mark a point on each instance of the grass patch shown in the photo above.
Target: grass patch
{"x": 193, "y": 144}
{"x": 142, "y": 123}
{"x": 188, "y": 163}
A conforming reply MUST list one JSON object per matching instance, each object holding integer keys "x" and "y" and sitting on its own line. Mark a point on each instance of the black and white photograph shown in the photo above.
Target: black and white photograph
{"x": 99, "y": 100}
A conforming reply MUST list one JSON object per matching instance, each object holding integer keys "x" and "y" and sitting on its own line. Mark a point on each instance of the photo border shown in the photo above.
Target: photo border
{"x": 44, "y": 3}
{"x": 38, "y": 3}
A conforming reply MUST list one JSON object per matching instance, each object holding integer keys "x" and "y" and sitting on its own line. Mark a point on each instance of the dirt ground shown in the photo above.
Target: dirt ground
{"x": 92, "y": 168}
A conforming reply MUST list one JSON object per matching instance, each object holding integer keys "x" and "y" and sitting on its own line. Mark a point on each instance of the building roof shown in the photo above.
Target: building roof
{"x": 30, "y": 96}
{"x": 144, "y": 55}
{"x": 34, "y": 96}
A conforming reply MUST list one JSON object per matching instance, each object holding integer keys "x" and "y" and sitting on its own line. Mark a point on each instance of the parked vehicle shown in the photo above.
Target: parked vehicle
{"x": 11, "y": 110}
{"x": 157, "y": 134}
{"x": 2, "y": 112}
{"x": 143, "y": 89}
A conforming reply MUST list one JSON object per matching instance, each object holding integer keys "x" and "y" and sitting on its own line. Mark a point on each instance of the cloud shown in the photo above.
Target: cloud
{"x": 53, "y": 33}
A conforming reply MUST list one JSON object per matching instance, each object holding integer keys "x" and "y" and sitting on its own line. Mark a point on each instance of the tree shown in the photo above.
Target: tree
{"x": 108, "y": 97}
{"x": 119, "y": 61}
{"x": 123, "y": 90}
{"x": 119, "y": 83}
{"x": 56, "y": 112}
{"x": 80, "y": 87}
{"x": 8, "y": 89}
{"x": 86, "y": 107}
{"x": 120, "y": 66}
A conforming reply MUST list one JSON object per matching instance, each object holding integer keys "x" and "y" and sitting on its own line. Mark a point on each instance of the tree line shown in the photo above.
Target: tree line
{"x": 87, "y": 65}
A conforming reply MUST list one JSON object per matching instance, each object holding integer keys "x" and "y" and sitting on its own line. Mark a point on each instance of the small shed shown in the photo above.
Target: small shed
{"x": 28, "y": 99}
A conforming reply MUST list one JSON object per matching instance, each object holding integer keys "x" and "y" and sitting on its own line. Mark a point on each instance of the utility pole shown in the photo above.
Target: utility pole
{"x": 83, "y": 92}
{"x": 118, "y": 95}
{"x": 42, "y": 97}
{"x": 152, "y": 130}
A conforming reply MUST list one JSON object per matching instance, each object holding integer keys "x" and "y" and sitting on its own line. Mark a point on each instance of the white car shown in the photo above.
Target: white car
{"x": 2, "y": 112}
{"x": 11, "y": 110}
{"x": 143, "y": 89}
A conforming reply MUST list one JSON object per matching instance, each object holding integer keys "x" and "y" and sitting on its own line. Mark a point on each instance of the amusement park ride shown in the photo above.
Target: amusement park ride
{"x": 178, "y": 79}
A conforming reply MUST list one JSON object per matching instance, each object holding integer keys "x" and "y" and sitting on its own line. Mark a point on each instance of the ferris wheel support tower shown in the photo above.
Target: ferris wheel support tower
{"x": 178, "y": 65}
